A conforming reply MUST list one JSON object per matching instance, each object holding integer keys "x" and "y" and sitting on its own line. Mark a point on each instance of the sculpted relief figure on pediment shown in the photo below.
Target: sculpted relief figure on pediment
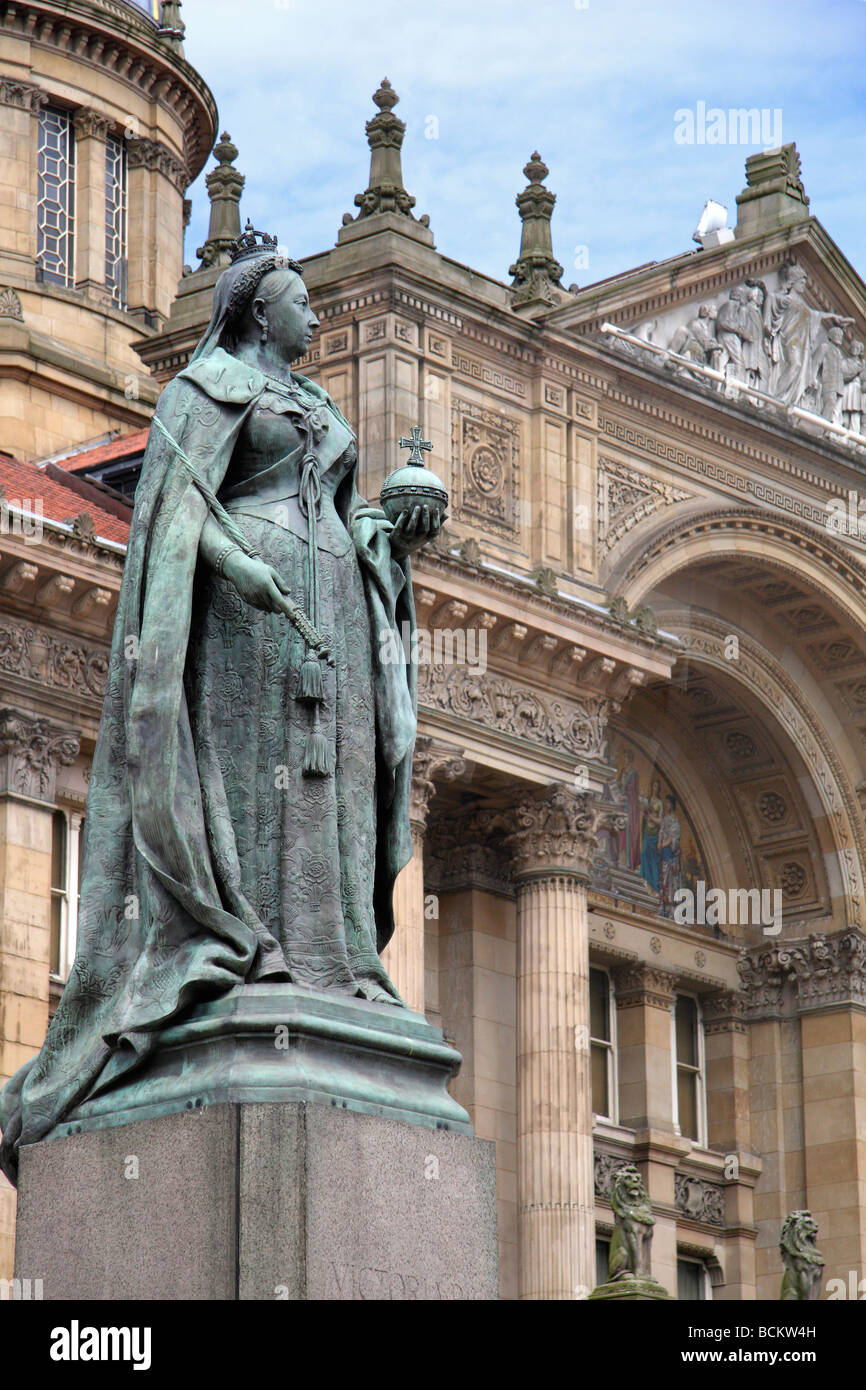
{"x": 764, "y": 336}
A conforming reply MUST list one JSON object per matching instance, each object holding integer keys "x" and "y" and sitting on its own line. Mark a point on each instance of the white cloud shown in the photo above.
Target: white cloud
{"x": 595, "y": 90}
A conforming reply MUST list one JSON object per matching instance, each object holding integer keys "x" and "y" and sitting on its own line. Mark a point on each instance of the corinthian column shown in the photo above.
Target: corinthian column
{"x": 403, "y": 957}
{"x": 552, "y": 845}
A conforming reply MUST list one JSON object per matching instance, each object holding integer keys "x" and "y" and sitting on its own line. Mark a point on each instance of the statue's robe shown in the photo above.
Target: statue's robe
{"x": 157, "y": 929}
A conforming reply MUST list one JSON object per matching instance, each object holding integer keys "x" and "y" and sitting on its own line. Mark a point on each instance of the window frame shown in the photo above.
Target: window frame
{"x": 610, "y": 1046}
{"x": 68, "y": 895}
{"x": 66, "y": 279}
{"x": 699, "y": 1070}
{"x": 704, "y": 1271}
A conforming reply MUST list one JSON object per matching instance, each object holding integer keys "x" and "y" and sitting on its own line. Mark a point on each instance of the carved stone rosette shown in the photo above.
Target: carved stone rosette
{"x": 31, "y": 750}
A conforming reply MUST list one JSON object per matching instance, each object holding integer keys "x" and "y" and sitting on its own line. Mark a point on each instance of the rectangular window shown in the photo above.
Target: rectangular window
{"x": 115, "y": 219}
{"x": 66, "y": 831}
{"x": 55, "y": 222}
{"x": 59, "y": 869}
{"x": 689, "y": 1093}
{"x": 602, "y": 1259}
{"x": 601, "y": 1045}
{"x": 692, "y": 1281}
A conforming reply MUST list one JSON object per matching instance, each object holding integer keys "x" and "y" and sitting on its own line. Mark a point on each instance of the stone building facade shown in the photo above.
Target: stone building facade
{"x": 636, "y": 900}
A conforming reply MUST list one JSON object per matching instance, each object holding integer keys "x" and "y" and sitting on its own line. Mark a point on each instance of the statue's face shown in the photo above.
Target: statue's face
{"x": 291, "y": 321}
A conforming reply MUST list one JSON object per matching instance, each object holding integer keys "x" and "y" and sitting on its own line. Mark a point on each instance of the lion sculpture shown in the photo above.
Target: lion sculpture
{"x": 633, "y": 1233}
{"x": 803, "y": 1262}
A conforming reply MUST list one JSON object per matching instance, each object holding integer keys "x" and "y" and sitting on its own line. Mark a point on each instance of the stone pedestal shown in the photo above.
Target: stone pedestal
{"x": 633, "y": 1289}
{"x": 274, "y": 1202}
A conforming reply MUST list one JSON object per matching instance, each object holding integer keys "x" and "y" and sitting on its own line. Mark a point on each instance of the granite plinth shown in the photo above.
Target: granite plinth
{"x": 260, "y": 1201}
{"x": 280, "y": 1042}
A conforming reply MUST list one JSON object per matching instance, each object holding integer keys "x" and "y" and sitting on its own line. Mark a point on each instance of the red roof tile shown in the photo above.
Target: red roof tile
{"x": 25, "y": 484}
{"x": 127, "y": 446}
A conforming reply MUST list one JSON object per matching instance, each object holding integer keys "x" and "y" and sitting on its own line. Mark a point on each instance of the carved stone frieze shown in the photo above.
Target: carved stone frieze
{"x": 764, "y": 334}
{"x": 31, "y": 750}
{"x": 701, "y": 1200}
{"x": 39, "y": 655}
{"x": 500, "y": 704}
{"x": 486, "y": 459}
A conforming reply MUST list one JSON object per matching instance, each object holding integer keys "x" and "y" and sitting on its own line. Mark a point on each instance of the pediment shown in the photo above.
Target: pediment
{"x": 782, "y": 329}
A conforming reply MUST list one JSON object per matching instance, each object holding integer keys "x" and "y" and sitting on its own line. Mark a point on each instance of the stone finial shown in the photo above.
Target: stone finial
{"x": 537, "y": 274}
{"x": 385, "y": 192}
{"x": 774, "y": 194}
{"x": 172, "y": 27}
{"x": 224, "y": 188}
{"x": 803, "y": 1262}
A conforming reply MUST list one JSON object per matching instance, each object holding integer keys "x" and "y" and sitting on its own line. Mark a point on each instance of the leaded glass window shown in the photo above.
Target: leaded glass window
{"x": 115, "y": 219}
{"x": 55, "y": 246}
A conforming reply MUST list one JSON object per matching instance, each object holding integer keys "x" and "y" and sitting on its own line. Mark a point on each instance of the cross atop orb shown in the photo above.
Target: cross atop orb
{"x": 415, "y": 443}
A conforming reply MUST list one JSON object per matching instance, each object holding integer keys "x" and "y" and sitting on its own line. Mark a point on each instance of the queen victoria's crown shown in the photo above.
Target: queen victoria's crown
{"x": 251, "y": 243}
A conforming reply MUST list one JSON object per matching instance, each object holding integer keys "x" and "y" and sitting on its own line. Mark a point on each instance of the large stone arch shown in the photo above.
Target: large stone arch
{"x": 703, "y": 639}
{"x": 780, "y": 543}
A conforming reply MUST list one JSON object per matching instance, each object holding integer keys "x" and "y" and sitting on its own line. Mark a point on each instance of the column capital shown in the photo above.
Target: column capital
{"x": 644, "y": 985}
{"x": 144, "y": 153}
{"x": 723, "y": 1012}
{"x": 432, "y": 761}
{"x": 31, "y": 750}
{"x": 553, "y": 832}
{"x": 21, "y": 94}
{"x": 89, "y": 123}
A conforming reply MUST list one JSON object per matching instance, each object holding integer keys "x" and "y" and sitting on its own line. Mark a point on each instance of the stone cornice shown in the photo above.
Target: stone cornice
{"x": 123, "y": 43}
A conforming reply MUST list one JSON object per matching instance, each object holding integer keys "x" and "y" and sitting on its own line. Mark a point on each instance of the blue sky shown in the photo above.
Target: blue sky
{"x": 595, "y": 87}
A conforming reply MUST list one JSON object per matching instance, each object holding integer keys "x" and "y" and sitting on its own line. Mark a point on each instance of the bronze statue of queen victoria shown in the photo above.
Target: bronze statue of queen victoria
{"x": 248, "y": 806}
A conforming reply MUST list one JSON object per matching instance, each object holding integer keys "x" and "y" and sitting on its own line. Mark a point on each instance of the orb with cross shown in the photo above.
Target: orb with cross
{"x": 413, "y": 484}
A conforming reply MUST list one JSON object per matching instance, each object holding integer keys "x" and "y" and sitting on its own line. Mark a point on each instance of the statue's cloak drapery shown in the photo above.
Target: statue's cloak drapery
{"x": 154, "y": 933}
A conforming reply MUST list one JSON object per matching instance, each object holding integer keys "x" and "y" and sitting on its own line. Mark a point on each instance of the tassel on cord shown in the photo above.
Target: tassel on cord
{"x": 311, "y": 688}
{"x": 317, "y": 758}
{"x": 310, "y": 684}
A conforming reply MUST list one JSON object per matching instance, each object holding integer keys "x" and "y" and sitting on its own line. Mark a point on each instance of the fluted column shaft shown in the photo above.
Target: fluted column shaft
{"x": 552, "y": 845}
{"x": 554, "y": 1106}
{"x": 403, "y": 957}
